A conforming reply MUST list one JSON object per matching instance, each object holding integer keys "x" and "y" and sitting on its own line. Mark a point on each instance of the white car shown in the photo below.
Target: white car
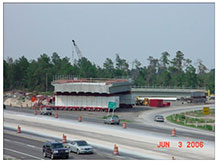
{"x": 79, "y": 146}
{"x": 46, "y": 111}
{"x": 159, "y": 118}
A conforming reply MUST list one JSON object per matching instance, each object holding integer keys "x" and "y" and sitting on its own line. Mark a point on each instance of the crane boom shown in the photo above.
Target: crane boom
{"x": 78, "y": 52}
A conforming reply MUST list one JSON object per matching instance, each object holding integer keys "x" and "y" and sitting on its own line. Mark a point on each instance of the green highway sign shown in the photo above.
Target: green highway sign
{"x": 112, "y": 105}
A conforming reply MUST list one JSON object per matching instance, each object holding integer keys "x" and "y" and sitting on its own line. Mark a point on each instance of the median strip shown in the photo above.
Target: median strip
{"x": 194, "y": 119}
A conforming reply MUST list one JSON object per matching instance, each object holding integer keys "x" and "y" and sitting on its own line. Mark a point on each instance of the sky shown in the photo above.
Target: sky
{"x": 134, "y": 31}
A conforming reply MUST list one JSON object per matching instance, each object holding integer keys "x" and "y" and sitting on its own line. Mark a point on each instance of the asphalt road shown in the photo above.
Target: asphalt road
{"x": 136, "y": 144}
{"x": 25, "y": 146}
{"x": 156, "y": 129}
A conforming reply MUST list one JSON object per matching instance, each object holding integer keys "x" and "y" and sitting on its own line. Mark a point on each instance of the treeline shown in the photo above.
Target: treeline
{"x": 177, "y": 72}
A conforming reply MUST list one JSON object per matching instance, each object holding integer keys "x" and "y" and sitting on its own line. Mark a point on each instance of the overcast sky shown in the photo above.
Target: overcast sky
{"x": 134, "y": 31}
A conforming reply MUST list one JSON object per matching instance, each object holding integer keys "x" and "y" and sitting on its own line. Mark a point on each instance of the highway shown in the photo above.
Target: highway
{"x": 133, "y": 143}
{"x": 145, "y": 122}
{"x": 148, "y": 119}
{"x": 26, "y": 146}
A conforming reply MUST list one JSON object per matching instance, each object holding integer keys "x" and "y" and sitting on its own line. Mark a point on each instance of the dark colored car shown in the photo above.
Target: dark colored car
{"x": 112, "y": 120}
{"x": 159, "y": 118}
{"x": 55, "y": 150}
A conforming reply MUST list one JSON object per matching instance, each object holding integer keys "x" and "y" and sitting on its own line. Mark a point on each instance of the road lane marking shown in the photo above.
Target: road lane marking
{"x": 26, "y": 136}
{"x": 7, "y": 140}
{"x": 8, "y": 157}
{"x": 23, "y": 153}
{"x": 32, "y": 146}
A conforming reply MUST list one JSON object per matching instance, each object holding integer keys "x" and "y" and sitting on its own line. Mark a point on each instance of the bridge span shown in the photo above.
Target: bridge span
{"x": 146, "y": 91}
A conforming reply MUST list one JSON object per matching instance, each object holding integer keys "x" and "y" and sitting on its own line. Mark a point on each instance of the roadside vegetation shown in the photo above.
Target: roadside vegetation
{"x": 36, "y": 75}
{"x": 194, "y": 119}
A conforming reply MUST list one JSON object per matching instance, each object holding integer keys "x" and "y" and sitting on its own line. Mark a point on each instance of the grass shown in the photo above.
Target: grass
{"x": 182, "y": 118}
{"x": 199, "y": 113}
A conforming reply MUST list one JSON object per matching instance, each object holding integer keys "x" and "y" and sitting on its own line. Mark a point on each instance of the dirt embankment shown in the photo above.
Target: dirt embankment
{"x": 20, "y": 99}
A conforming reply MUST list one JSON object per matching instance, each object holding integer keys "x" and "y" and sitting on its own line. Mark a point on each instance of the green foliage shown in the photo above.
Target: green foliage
{"x": 181, "y": 120}
{"x": 37, "y": 75}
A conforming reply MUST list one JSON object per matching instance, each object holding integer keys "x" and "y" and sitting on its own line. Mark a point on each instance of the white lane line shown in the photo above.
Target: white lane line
{"x": 32, "y": 146}
{"x": 25, "y": 154}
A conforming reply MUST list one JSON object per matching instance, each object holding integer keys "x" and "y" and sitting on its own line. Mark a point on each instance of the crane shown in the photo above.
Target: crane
{"x": 77, "y": 50}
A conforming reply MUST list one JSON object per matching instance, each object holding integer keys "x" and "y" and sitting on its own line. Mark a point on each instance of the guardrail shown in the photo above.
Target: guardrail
{"x": 169, "y": 87}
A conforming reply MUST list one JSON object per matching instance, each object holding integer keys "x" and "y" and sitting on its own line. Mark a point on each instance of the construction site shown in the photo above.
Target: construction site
{"x": 92, "y": 94}
{"x": 81, "y": 107}
{"x": 102, "y": 94}
{"x": 99, "y": 94}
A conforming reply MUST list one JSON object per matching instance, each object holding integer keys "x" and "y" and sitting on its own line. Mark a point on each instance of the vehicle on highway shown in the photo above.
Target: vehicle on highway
{"x": 159, "y": 118}
{"x": 46, "y": 111}
{"x": 212, "y": 97}
{"x": 54, "y": 150}
{"x": 79, "y": 146}
{"x": 112, "y": 120}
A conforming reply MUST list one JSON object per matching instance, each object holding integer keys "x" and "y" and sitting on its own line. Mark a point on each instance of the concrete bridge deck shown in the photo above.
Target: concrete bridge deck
{"x": 165, "y": 92}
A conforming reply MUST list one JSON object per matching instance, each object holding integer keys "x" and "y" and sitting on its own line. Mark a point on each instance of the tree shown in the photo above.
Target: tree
{"x": 163, "y": 79}
{"x": 211, "y": 81}
{"x": 86, "y": 68}
{"x": 6, "y": 75}
{"x": 108, "y": 68}
{"x": 190, "y": 79}
{"x": 152, "y": 70}
{"x": 176, "y": 70}
{"x": 202, "y": 73}
{"x": 10, "y": 72}
{"x": 163, "y": 75}
{"x": 202, "y": 69}
{"x": 38, "y": 74}
{"x": 55, "y": 59}
{"x": 121, "y": 67}
{"x": 135, "y": 71}
{"x": 178, "y": 61}
{"x": 164, "y": 59}
{"x": 108, "y": 64}
{"x": 42, "y": 71}
{"x": 65, "y": 66}
{"x": 32, "y": 76}
{"x": 21, "y": 66}
{"x": 188, "y": 62}
{"x": 141, "y": 78}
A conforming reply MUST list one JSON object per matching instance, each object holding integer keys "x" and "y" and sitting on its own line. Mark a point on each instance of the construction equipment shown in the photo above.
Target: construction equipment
{"x": 77, "y": 50}
{"x": 146, "y": 101}
{"x": 142, "y": 101}
{"x": 196, "y": 97}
